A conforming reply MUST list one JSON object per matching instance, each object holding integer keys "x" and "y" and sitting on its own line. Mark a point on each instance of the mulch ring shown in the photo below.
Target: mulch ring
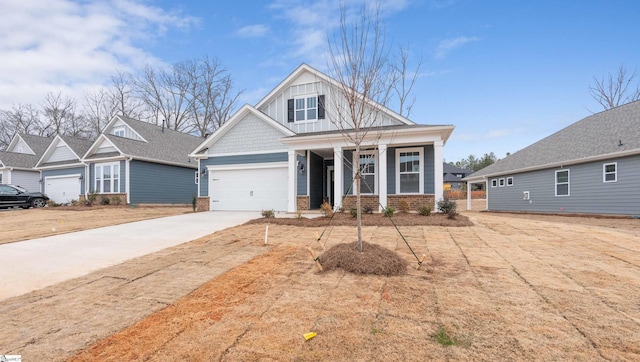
{"x": 373, "y": 259}
{"x": 376, "y": 219}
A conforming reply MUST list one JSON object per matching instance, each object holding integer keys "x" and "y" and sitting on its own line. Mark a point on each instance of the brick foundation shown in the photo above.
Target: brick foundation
{"x": 371, "y": 201}
{"x": 202, "y": 204}
{"x": 302, "y": 203}
{"x": 113, "y": 199}
{"x": 413, "y": 200}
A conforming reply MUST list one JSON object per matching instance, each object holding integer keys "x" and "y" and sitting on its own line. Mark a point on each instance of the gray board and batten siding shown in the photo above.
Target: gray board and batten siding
{"x": 588, "y": 193}
{"x": 236, "y": 160}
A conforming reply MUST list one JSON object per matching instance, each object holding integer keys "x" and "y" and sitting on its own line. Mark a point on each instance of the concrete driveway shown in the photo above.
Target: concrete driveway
{"x": 34, "y": 264}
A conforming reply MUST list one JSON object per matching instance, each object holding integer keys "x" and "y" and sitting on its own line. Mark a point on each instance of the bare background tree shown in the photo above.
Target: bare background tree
{"x": 194, "y": 96}
{"x": 616, "y": 89}
{"x": 21, "y": 118}
{"x": 405, "y": 80}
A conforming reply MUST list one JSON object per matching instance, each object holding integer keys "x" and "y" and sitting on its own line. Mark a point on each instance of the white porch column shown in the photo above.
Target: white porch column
{"x": 291, "y": 188}
{"x": 382, "y": 176}
{"x": 468, "y": 195}
{"x": 338, "y": 177}
{"x": 438, "y": 177}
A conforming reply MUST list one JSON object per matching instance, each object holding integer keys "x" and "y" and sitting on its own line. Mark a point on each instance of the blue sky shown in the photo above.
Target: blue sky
{"x": 506, "y": 73}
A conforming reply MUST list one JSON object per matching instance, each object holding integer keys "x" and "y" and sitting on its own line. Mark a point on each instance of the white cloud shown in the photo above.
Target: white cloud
{"x": 66, "y": 45}
{"x": 311, "y": 21}
{"x": 253, "y": 31}
{"x": 447, "y": 45}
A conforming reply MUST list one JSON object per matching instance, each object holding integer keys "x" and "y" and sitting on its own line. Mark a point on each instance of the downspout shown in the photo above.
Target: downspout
{"x": 127, "y": 178}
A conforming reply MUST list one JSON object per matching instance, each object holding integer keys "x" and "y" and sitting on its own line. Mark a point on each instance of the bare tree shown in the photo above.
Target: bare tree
{"x": 98, "y": 109}
{"x": 22, "y": 118}
{"x": 615, "y": 90}
{"x": 358, "y": 61}
{"x": 165, "y": 93}
{"x": 404, "y": 81}
{"x": 122, "y": 98}
{"x": 58, "y": 112}
{"x": 213, "y": 97}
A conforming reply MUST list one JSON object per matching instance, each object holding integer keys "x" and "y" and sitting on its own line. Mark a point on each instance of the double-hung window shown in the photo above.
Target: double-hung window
{"x": 368, "y": 168}
{"x": 562, "y": 183}
{"x": 610, "y": 172}
{"x": 118, "y": 131}
{"x": 107, "y": 178}
{"x": 409, "y": 177}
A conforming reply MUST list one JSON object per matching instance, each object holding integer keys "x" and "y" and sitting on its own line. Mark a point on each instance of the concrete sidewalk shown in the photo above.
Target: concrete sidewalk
{"x": 34, "y": 264}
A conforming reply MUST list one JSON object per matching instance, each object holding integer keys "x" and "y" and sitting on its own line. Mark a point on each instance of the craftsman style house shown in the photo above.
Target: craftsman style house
{"x": 289, "y": 152}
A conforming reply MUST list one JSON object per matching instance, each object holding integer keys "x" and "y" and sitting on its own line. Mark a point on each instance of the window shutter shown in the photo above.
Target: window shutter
{"x": 321, "y": 106}
{"x": 290, "y": 117}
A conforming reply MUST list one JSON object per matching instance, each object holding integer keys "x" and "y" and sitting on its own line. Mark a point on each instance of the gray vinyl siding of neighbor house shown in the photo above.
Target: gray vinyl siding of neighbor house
{"x": 236, "y": 160}
{"x": 92, "y": 185}
{"x": 587, "y": 191}
{"x": 428, "y": 170}
{"x": 26, "y": 179}
{"x": 67, "y": 172}
{"x": 149, "y": 183}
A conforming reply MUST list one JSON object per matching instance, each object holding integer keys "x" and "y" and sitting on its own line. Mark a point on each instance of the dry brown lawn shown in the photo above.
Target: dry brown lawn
{"x": 506, "y": 288}
{"x": 16, "y": 225}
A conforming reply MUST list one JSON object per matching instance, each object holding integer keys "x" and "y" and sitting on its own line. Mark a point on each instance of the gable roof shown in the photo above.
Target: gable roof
{"x": 78, "y": 146}
{"x": 38, "y": 145}
{"x": 608, "y": 134}
{"x": 323, "y": 77}
{"x": 237, "y": 117}
{"x": 162, "y": 145}
{"x": 18, "y": 160}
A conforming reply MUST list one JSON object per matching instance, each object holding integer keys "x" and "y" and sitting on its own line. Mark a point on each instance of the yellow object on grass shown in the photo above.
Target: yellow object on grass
{"x": 308, "y": 336}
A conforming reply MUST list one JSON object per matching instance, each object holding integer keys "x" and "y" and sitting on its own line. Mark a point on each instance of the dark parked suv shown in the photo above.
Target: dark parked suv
{"x": 12, "y": 195}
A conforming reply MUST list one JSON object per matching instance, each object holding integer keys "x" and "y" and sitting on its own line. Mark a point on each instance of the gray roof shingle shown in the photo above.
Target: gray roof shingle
{"x": 38, "y": 144}
{"x": 166, "y": 146}
{"x": 605, "y": 133}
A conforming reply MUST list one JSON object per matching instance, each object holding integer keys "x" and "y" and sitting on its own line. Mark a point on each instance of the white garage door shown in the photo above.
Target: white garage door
{"x": 253, "y": 187}
{"x": 63, "y": 189}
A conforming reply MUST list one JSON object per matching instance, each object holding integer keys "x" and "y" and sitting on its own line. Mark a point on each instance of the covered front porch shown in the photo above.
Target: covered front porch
{"x": 398, "y": 167}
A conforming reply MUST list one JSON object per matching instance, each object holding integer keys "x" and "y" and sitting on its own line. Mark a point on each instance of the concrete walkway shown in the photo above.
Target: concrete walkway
{"x": 34, "y": 264}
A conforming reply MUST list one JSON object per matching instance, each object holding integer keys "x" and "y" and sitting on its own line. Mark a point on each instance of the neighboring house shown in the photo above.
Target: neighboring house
{"x": 285, "y": 154}
{"x": 64, "y": 175}
{"x": 453, "y": 176}
{"x": 141, "y": 163}
{"x": 17, "y": 162}
{"x": 591, "y": 166}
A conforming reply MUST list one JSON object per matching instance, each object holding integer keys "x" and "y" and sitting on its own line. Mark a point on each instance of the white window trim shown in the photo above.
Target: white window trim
{"x": 604, "y": 172}
{"x": 509, "y": 181}
{"x": 526, "y": 195}
{"x": 501, "y": 182}
{"x": 295, "y": 119}
{"x": 95, "y": 178}
{"x": 421, "y": 175}
{"x": 119, "y": 128}
{"x": 494, "y": 182}
{"x": 568, "y": 183}
{"x": 356, "y": 163}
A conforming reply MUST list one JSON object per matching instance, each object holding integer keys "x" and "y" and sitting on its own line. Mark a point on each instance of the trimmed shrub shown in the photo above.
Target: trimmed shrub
{"x": 104, "y": 200}
{"x": 353, "y": 212}
{"x": 448, "y": 207}
{"x": 424, "y": 210}
{"x": 403, "y": 205}
{"x": 388, "y": 211}
{"x": 367, "y": 209}
{"x": 268, "y": 214}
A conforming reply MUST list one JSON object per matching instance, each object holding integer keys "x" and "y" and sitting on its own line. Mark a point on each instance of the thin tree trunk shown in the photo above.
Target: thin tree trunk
{"x": 358, "y": 208}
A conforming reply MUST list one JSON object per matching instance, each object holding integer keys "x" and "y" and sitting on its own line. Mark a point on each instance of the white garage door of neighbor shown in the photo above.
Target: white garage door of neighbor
{"x": 248, "y": 189}
{"x": 62, "y": 190}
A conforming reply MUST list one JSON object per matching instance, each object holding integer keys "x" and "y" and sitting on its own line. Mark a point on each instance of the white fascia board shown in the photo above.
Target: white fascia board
{"x": 577, "y": 161}
{"x": 396, "y": 137}
{"x": 96, "y": 145}
{"x": 58, "y": 167}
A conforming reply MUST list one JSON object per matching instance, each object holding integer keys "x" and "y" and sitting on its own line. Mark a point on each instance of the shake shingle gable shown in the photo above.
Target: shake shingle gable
{"x": 612, "y": 132}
